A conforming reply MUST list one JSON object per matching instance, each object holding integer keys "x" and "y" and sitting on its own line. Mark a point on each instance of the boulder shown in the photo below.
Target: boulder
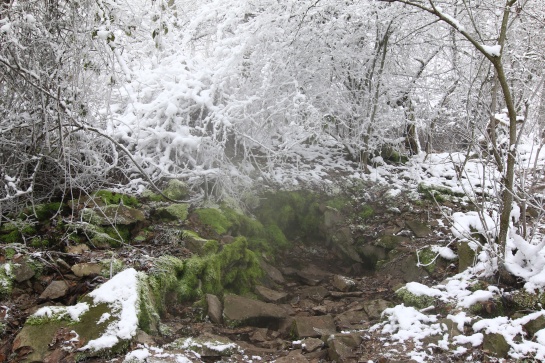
{"x": 419, "y": 229}
{"x": 176, "y": 190}
{"x": 238, "y": 310}
{"x": 214, "y": 308}
{"x": 535, "y": 325}
{"x": 313, "y": 326}
{"x": 112, "y": 215}
{"x": 496, "y": 345}
{"x": 86, "y": 269}
{"x": 270, "y": 295}
{"x": 55, "y": 290}
{"x": 374, "y": 308}
{"x": 343, "y": 347}
{"x": 467, "y": 252}
{"x": 343, "y": 283}
{"x": 95, "y": 321}
{"x": 272, "y": 272}
{"x": 172, "y": 212}
{"x": 352, "y": 320}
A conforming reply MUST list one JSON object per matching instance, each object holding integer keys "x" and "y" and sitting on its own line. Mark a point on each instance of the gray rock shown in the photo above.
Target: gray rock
{"x": 343, "y": 347}
{"x": 308, "y": 278}
{"x": 294, "y": 356}
{"x": 259, "y": 335}
{"x": 496, "y": 345}
{"x": 270, "y": 295}
{"x": 112, "y": 215}
{"x": 86, "y": 269}
{"x": 272, "y": 272}
{"x": 352, "y": 319}
{"x": 314, "y": 326}
{"x": 238, "y": 310}
{"x": 22, "y": 272}
{"x": 343, "y": 283}
{"x": 466, "y": 256}
{"x": 419, "y": 229}
{"x": 214, "y": 308}
{"x": 310, "y": 345}
{"x": 176, "y": 190}
{"x": 315, "y": 293}
{"x": 208, "y": 345}
{"x": 374, "y": 308}
{"x": 535, "y": 325}
{"x": 55, "y": 290}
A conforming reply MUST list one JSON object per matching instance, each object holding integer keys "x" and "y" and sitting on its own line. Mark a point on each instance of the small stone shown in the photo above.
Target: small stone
{"x": 62, "y": 265}
{"x": 78, "y": 249}
{"x": 259, "y": 335}
{"x": 352, "y": 319}
{"x": 270, "y": 295}
{"x": 143, "y": 338}
{"x": 238, "y": 310}
{"x": 314, "y": 326}
{"x": 86, "y": 269}
{"x": 343, "y": 347}
{"x": 315, "y": 293}
{"x": 22, "y": 272}
{"x": 294, "y": 356}
{"x": 55, "y": 290}
{"x": 374, "y": 308}
{"x": 214, "y": 308}
{"x": 343, "y": 283}
{"x": 312, "y": 344}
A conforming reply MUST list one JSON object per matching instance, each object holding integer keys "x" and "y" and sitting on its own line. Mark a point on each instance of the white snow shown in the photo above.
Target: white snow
{"x": 492, "y": 50}
{"x": 121, "y": 294}
{"x": 59, "y": 312}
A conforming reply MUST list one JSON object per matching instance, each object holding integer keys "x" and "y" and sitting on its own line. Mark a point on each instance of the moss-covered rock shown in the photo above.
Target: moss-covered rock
{"x": 113, "y": 198}
{"x": 427, "y": 259}
{"x": 215, "y": 219}
{"x": 17, "y": 231}
{"x": 112, "y": 215}
{"x": 390, "y": 242}
{"x": 45, "y": 211}
{"x": 163, "y": 280}
{"x": 176, "y": 190}
{"x": 438, "y": 193}
{"x": 173, "y": 212}
{"x": 6, "y": 279}
{"x": 410, "y": 299}
{"x": 524, "y": 300}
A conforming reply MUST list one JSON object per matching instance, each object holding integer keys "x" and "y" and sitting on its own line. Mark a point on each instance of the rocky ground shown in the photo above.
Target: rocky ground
{"x": 316, "y": 301}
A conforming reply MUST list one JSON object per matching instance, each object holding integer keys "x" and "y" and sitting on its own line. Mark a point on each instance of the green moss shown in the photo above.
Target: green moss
{"x": 176, "y": 190}
{"x": 410, "y": 299}
{"x": 152, "y": 197}
{"x": 488, "y": 309}
{"x": 210, "y": 247}
{"x": 235, "y": 268}
{"x": 215, "y": 219}
{"x": 9, "y": 253}
{"x": 339, "y": 203}
{"x": 118, "y": 235}
{"x": 111, "y": 267}
{"x": 38, "y": 242}
{"x": 110, "y": 197}
{"x": 45, "y": 211}
{"x": 276, "y": 237}
{"x": 6, "y": 280}
{"x": 12, "y": 237}
{"x": 163, "y": 279}
{"x": 438, "y": 193}
{"x": 366, "y": 212}
{"x": 174, "y": 211}
{"x": 524, "y": 300}
{"x": 427, "y": 259}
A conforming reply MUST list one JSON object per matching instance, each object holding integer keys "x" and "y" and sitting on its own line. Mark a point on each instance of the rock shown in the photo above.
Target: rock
{"x": 78, "y": 249}
{"x": 207, "y": 345}
{"x": 272, "y": 272}
{"x": 308, "y": 278}
{"x": 214, "y": 308}
{"x": 535, "y": 325}
{"x": 419, "y": 229}
{"x": 451, "y": 327}
{"x": 371, "y": 254}
{"x": 86, "y": 269}
{"x": 496, "y": 345}
{"x": 404, "y": 266}
{"x": 312, "y": 344}
{"x": 62, "y": 265}
{"x": 343, "y": 283}
{"x": 144, "y": 338}
{"x": 238, "y": 310}
{"x": 176, "y": 190}
{"x": 313, "y": 326}
{"x": 22, "y": 272}
{"x": 467, "y": 252}
{"x": 352, "y": 319}
{"x": 374, "y": 308}
{"x": 259, "y": 335}
{"x": 270, "y": 295}
{"x": 55, "y": 290}
{"x": 343, "y": 244}
{"x": 343, "y": 347}
{"x": 315, "y": 293}
{"x": 390, "y": 242}
{"x": 294, "y": 356}
{"x": 173, "y": 212}
{"x": 112, "y": 215}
